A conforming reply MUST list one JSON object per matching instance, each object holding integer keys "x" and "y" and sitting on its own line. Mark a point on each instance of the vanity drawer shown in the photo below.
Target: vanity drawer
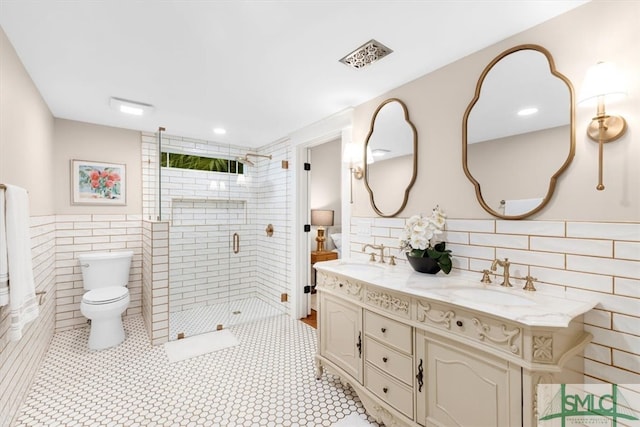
{"x": 388, "y": 331}
{"x": 340, "y": 285}
{"x": 489, "y": 331}
{"x": 389, "y": 390}
{"x": 388, "y": 360}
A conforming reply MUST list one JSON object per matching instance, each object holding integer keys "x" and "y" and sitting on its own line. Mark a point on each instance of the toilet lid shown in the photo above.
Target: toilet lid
{"x": 105, "y": 295}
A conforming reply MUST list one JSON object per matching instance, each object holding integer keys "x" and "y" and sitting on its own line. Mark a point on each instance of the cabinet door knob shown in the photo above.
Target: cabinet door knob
{"x": 341, "y": 284}
{"x": 384, "y": 359}
{"x": 383, "y": 330}
{"x": 385, "y": 390}
{"x": 459, "y": 323}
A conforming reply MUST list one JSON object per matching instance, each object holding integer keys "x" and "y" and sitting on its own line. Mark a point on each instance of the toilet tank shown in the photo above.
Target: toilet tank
{"x": 104, "y": 269}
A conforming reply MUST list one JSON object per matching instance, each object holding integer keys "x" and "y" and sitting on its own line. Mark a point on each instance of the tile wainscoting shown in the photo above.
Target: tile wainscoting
{"x": 19, "y": 361}
{"x": 577, "y": 258}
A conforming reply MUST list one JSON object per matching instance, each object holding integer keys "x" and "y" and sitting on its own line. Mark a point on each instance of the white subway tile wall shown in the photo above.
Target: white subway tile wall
{"x": 19, "y": 361}
{"x": 77, "y": 234}
{"x": 274, "y": 199}
{"x": 155, "y": 280}
{"x": 578, "y": 259}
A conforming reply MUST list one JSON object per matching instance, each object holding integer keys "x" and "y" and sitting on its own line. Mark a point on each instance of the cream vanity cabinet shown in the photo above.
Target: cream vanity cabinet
{"x": 341, "y": 340}
{"x": 417, "y": 361}
{"x": 462, "y": 387}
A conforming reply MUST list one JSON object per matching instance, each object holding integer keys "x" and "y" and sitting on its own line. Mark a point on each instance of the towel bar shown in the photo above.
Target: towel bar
{"x": 4, "y": 187}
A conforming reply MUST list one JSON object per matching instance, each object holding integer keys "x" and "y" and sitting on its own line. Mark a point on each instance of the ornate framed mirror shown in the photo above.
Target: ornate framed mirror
{"x": 391, "y": 158}
{"x": 518, "y": 133}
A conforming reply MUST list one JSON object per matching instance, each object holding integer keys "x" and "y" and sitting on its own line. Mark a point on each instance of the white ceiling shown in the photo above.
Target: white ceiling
{"x": 260, "y": 69}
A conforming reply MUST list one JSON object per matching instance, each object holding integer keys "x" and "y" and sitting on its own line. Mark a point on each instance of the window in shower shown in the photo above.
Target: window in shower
{"x": 202, "y": 163}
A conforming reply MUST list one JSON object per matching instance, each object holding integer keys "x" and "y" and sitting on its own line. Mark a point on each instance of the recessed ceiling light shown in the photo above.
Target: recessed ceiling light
{"x": 527, "y": 111}
{"x": 219, "y": 131}
{"x": 130, "y": 107}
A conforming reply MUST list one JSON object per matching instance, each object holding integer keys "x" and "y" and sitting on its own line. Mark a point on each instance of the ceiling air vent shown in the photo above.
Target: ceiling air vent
{"x": 366, "y": 54}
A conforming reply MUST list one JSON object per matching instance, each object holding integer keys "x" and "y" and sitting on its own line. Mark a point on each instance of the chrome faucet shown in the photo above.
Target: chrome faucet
{"x": 376, "y": 247}
{"x": 505, "y": 268}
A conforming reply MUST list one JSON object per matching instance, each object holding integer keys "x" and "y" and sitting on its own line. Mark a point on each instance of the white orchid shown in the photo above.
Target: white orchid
{"x": 418, "y": 233}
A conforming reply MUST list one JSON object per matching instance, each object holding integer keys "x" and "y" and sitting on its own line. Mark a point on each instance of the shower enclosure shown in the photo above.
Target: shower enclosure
{"x": 218, "y": 200}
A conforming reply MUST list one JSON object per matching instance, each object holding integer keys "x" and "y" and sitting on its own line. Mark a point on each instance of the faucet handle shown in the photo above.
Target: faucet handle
{"x": 392, "y": 260}
{"x": 528, "y": 286}
{"x": 372, "y": 256}
{"x": 485, "y": 276}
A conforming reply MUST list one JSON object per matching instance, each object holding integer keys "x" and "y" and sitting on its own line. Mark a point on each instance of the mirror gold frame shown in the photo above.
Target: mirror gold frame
{"x": 572, "y": 142}
{"x": 415, "y": 159}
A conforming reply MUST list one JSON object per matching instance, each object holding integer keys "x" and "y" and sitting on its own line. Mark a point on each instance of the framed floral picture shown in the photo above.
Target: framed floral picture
{"x": 97, "y": 183}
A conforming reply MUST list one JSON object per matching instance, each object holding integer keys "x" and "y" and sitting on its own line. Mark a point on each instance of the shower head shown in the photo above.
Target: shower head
{"x": 245, "y": 161}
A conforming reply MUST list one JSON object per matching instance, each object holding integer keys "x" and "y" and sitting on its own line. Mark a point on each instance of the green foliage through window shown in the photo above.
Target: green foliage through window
{"x": 210, "y": 164}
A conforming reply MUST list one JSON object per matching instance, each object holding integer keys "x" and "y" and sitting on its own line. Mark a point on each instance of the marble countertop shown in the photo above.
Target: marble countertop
{"x": 465, "y": 290}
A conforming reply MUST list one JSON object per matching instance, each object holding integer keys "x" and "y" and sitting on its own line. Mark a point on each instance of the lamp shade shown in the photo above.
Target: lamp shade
{"x": 321, "y": 217}
{"x": 602, "y": 79}
{"x": 351, "y": 153}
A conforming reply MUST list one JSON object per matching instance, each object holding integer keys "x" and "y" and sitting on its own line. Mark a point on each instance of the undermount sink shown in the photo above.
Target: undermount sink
{"x": 491, "y": 296}
{"x": 357, "y": 267}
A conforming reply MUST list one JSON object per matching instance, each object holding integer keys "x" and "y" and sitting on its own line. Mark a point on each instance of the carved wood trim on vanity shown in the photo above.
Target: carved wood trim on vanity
{"x": 484, "y": 331}
{"x": 543, "y": 349}
{"x": 443, "y": 317}
{"x": 388, "y": 301}
{"x": 352, "y": 288}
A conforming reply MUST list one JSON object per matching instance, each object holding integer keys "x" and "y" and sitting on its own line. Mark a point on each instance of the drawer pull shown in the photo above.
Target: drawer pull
{"x": 385, "y": 390}
{"x": 341, "y": 284}
{"x": 383, "y": 330}
{"x": 459, "y": 323}
{"x": 384, "y": 359}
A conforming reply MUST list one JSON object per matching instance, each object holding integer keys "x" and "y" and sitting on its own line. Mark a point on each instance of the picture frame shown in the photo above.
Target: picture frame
{"x": 98, "y": 183}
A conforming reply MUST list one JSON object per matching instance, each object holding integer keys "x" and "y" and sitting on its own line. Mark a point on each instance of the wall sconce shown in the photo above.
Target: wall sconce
{"x": 321, "y": 218}
{"x": 352, "y": 156}
{"x": 601, "y": 83}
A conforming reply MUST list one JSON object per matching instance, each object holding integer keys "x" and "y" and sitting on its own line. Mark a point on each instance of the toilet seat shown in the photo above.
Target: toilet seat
{"x": 105, "y": 295}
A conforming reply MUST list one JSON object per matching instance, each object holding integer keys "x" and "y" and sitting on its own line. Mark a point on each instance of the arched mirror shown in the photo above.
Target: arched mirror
{"x": 518, "y": 132}
{"x": 391, "y": 158}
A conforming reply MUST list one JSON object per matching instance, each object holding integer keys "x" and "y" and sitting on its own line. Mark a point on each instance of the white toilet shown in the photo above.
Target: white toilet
{"x": 105, "y": 276}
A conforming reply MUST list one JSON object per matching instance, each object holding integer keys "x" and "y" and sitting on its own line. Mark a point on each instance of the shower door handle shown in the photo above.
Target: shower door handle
{"x": 236, "y": 243}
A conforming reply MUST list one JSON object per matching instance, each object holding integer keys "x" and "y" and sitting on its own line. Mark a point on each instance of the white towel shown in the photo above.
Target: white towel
{"x": 23, "y": 305}
{"x": 521, "y": 206}
{"x": 4, "y": 262}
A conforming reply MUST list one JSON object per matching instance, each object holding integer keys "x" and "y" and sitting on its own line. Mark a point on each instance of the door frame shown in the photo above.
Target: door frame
{"x": 335, "y": 127}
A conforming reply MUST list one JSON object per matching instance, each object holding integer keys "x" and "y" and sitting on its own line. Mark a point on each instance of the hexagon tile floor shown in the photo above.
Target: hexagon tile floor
{"x": 267, "y": 380}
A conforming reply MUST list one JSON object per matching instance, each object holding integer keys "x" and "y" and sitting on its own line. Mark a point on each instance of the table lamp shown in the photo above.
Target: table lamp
{"x": 321, "y": 218}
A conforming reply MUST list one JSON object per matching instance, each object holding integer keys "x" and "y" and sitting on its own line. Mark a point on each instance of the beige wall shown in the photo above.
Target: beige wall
{"x": 26, "y": 145}
{"x": 597, "y": 31}
{"x": 85, "y": 141}
{"x": 26, "y": 133}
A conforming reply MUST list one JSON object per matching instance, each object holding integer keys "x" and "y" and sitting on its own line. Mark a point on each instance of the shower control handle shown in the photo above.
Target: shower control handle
{"x": 236, "y": 243}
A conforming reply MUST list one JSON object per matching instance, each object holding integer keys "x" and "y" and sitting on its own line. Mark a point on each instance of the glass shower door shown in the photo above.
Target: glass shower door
{"x": 195, "y": 199}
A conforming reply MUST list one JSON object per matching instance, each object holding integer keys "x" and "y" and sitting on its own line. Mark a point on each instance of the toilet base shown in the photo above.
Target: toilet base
{"x": 106, "y": 333}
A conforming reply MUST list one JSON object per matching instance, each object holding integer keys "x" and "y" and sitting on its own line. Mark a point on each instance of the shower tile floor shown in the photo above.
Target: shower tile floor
{"x": 204, "y": 319}
{"x": 267, "y": 380}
